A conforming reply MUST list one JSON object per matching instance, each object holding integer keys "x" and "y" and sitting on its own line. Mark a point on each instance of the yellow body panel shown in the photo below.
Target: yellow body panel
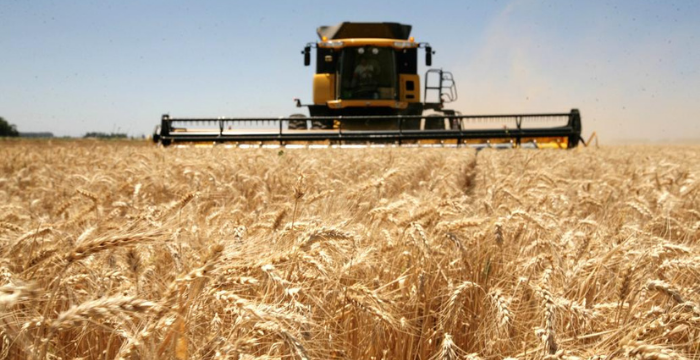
{"x": 410, "y": 96}
{"x": 553, "y": 142}
{"x": 324, "y": 88}
{"x": 340, "y": 104}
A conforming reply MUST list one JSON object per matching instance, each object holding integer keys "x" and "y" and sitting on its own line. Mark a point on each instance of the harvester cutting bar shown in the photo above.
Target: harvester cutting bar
{"x": 402, "y": 129}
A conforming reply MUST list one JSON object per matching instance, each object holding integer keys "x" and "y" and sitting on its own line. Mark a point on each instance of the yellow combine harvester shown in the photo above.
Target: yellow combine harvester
{"x": 367, "y": 91}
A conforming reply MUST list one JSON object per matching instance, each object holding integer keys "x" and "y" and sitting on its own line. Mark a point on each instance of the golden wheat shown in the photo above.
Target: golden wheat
{"x": 125, "y": 250}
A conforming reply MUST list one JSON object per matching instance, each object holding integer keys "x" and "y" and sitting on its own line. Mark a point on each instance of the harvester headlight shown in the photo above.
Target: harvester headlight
{"x": 361, "y": 51}
{"x": 333, "y": 44}
{"x": 375, "y": 51}
{"x": 403, "y": 44}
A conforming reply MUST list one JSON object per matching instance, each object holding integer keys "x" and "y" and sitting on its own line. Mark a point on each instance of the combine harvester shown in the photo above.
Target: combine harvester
{"x": 366, "y": 92}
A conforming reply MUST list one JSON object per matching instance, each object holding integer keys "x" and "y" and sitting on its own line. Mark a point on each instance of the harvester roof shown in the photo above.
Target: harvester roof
{"x": 354, "y": 30}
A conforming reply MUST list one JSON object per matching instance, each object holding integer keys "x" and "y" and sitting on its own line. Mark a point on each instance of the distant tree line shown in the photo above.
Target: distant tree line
{"x": 101, "y": 135}
{"x": 7, "y": 129}
{"x": 10, "y": 130}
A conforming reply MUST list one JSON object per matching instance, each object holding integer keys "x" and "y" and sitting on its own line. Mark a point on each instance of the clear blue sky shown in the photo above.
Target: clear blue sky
{"x": 75, "y": 66}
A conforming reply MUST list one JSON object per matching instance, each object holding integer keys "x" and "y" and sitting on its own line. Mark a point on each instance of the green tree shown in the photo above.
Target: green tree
{"x": 7, "y": 129}
{"x": 101, "y": 135}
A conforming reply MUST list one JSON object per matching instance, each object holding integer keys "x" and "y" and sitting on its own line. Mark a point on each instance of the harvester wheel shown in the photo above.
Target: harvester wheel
{"x": 410, "y": 124}
{"x": 434, "y": 122}
{"x": 322, "y": 124}
{"x": 297, "y": 124}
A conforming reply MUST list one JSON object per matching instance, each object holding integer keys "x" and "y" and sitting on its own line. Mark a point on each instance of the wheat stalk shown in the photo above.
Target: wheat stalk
{"x": 100, "y": 308}
{"x": 86, "y": 249}
{"x": 394, "y": 253}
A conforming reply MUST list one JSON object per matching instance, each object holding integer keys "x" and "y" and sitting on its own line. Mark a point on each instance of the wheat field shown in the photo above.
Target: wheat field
{"x": 122, "y": 250}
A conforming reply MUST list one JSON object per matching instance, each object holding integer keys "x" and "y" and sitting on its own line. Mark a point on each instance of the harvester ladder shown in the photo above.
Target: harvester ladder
{"x": 446, "y": 88}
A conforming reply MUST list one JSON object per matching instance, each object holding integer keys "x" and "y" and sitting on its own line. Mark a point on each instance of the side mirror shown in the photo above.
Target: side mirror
{"x": 307, "y": 55}
{"x": 428, "y": 56}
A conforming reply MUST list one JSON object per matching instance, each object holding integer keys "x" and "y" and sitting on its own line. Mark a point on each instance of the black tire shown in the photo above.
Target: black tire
{"x": 410, "y": 124}
{"x": 434, "y": 122}
{"x": 322, "y": 124}
{"x": 297, "y": 124}
{"x": 454, "y": 124}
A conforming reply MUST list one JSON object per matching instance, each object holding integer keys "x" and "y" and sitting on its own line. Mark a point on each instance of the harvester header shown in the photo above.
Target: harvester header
{"x": 367, "y": 91}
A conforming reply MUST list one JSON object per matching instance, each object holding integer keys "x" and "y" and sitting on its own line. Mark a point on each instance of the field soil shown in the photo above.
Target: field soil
{"x": 130, "y": 251}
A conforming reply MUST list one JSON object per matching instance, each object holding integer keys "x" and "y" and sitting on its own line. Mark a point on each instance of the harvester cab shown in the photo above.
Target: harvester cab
{"x": 371, "y": 69}
{"x": 367, "y": 90}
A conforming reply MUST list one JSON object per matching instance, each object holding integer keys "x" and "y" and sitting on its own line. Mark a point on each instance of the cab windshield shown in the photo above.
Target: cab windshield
{"x": 367, "y": 73}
